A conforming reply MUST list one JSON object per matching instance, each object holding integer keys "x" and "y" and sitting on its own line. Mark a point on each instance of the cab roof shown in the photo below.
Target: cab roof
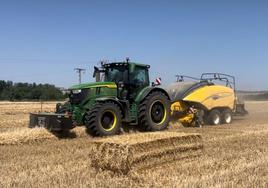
{"x": 124, "y": 64}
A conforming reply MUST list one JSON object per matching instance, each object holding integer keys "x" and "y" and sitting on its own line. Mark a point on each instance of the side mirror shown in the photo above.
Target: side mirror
{"x": 96, "y": 70}
{"x": 96, "y": 74}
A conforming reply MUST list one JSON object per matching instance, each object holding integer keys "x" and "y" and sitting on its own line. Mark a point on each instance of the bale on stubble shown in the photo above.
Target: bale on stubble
{"x": 143, "y": 150}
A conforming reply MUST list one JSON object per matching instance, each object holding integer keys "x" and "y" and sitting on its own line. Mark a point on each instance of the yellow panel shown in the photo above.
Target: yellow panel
{"x": 177, "y": 106}
{"x": 112, "y": 86}
{"x": 180, "y": 106}
{"x": 213, "y": 96}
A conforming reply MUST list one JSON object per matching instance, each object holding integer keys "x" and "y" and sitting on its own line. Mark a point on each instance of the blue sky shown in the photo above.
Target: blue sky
{"x": 44, "y": 40}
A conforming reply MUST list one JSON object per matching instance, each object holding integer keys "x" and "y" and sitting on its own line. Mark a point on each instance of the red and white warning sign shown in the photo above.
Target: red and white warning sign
{"x": 158, "y": 81}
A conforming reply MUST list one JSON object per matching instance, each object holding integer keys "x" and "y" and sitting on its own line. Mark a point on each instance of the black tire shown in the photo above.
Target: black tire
{"x": 154, "y": 112}
{"x": 104, "y": 119}
{"x": 214, "y": 117}
{"x": 226, "y": 116}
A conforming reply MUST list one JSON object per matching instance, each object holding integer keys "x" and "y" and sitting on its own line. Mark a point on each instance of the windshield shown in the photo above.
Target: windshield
{"x": 139, "y": 76}
{"x": 115, "y": 74}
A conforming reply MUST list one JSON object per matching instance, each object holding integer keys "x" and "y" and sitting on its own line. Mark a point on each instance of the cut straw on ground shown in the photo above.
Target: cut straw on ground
{"x": 27, "y": 135}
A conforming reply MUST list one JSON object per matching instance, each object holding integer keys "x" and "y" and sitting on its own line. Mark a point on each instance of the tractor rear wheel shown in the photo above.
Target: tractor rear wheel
{"x": 104, "y": 119}
{"x": 154, "y": 112}
{"x": 214, "y": 117}
{"x": 226, "y": 116}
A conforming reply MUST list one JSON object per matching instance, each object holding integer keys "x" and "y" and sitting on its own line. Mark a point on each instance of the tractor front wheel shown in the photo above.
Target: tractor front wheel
{"x": 154, "y": 112}
{"x": 104, "y": 119}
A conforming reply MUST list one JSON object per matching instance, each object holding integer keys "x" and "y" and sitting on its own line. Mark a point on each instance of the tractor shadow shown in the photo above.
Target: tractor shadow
{"x": 131, "y": 129}
{"x": 64, "y": 134}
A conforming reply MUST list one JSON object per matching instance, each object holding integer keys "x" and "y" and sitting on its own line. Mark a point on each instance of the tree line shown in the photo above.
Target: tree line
{"x": 29, "y": 91}
{"x": 257, "y": 97}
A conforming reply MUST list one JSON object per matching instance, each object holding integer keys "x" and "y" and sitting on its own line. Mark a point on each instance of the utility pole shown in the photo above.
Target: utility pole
{"x": 80, "y": 71}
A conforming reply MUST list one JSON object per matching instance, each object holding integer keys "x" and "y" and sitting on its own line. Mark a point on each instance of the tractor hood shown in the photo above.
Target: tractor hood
{"x": 94, "y": 85}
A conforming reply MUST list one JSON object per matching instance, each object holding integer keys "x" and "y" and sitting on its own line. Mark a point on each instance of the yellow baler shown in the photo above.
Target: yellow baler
{"x": 205, "y": 100}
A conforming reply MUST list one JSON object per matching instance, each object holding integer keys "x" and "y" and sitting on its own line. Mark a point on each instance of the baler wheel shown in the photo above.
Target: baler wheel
{"x": 226, "y": 116}
{"x": 214, "y": 117}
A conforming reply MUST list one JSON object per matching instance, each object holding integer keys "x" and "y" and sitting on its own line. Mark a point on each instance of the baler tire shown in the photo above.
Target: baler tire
{"x": 226, "y": 116}
{"x": 146, "y": 120}
{"x": 94, "y": 119}
{"x": 214, "y": 117}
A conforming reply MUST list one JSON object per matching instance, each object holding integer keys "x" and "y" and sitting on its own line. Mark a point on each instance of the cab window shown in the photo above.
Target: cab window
{"x": 115, "y": 74}
{"x": 139, "y": 76}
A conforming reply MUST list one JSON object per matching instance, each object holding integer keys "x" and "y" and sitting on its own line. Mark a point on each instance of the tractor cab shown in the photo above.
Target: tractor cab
{"x": 130, "y": 78}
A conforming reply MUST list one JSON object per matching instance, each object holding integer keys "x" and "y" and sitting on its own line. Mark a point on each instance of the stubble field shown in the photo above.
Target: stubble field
{"x": 232, "y": 156}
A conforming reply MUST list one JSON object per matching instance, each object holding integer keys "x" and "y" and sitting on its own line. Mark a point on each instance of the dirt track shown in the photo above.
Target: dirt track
{"x": 235, "y": 155}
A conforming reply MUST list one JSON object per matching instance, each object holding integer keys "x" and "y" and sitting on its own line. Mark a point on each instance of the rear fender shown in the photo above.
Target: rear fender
{"x": 109, "y": 99}
{"x": 147, "y": 90}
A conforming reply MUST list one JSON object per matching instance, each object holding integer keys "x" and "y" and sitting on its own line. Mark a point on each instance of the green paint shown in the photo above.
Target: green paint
{"x": 140, "y": 95}
{"x": 134, "y": 77}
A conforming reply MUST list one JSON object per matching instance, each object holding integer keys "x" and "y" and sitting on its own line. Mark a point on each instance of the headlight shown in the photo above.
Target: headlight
{"x": 76, "y": 91}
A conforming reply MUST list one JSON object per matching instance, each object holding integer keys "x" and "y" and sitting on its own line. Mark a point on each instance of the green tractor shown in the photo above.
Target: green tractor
{"x": 122, "y": 94}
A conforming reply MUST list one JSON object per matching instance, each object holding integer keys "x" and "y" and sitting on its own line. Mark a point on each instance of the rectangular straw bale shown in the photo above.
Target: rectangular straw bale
{"x": 136, "y": 151}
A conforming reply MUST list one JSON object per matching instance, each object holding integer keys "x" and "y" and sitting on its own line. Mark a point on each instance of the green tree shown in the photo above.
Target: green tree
{"x": 26, "y": 91}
